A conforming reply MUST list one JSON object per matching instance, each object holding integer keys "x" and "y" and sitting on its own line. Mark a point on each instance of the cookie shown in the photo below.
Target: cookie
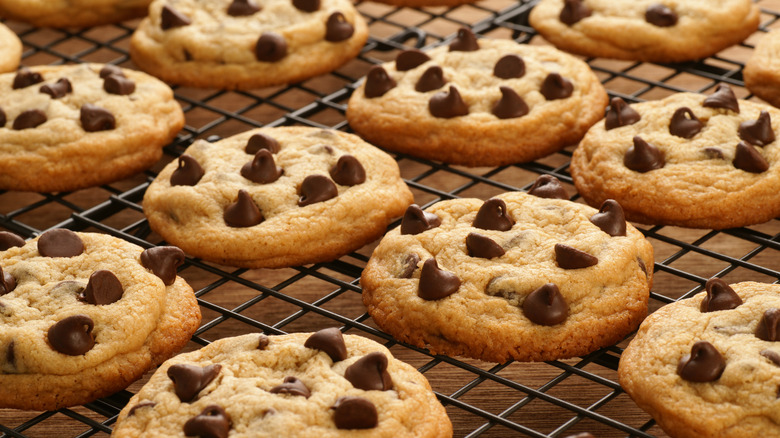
{"x": 82, "y": 315}
{"x": 321, "y": 384}
{"x": 72, "y": 13}
{"x": 477, "y": 102}
{"x": 275, "y": 197}
{"x": 647, "y": 30}
{"x": 10, "y": 49}
{"x": 761, "y": 69}
{"x": 709, "y": 366}
{"x": 692, "y": 160}
{"x": 243, "y": 44}
{"x": 518, "y": 276}
{"x": 74, "y": 126}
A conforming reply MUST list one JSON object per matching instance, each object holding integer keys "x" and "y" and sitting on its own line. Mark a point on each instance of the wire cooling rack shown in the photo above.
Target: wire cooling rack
{"x": 552, "y": 399}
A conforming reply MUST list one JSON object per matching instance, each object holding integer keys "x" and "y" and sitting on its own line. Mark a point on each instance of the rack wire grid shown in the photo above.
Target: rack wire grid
{"x": 547, "y": 399}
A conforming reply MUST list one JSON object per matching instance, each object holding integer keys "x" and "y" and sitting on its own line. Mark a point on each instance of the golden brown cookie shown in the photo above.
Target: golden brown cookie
{"x": 77, "y": 13}
{"x": 10, "y": 49}
{"x": 762, "y": 69}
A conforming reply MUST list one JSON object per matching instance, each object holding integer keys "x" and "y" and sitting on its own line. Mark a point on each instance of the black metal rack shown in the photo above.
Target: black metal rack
{"x": 552, "y": 399}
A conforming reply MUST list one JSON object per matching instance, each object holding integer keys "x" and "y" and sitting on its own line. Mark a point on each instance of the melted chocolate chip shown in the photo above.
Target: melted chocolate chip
{"x": 57, "y": 89}
{"x": 493, "y": 215}
{"x": 60, "y": 242}
{"x": 337, "y": 28}
{"x": 545, "y": 306}
{"x": 447, "y": 104}
{"x": 568, "y": 257}
{"x": 410, "y": 265}
{"x": 431, "y": 79}
{"x": 243, "y": 213}
{"x": 316, "y": 188}
{"x": 110, "y": 69}
{"x": 510, "y": 106}
{"x": 293, "y": 386}
{"x": 415, "y": 220}
{"x": 465, "y": 41}
{"x": 26, "y": 77}
{"x": 3, "y": 118}
{"x": 72, "y": 335}
{"x": 94, "y": 118}
{"x": 262, "y": 169}
{"x": 242, "y": 8}
{"x": 723, "y": 97}
{"x": 378, "y": 82}
{"x": 749, "y": 159}
{"x": 261, "y": 141}
{"x": 774, "y": 357}
{"x": 10, "y": 240}
{"x": 163, "y": 262}
{"x": 660, "y": 15}
{"x": 409, "y": 59}
{"x": 307, "y": 5}
{"x": 610, "y": 218}
{"x": 643, "y": 157}
{"x": 684, "y": 123}
{"x": 170, "y": 18}
{"x": 768, "y": 328}
{"x": 329, "y": 340}
{"x": 354, "y": 413}
{"x": 713, "y": 153}
{"x": 29, "y": 119}
{"x": 141, "y": 405}
{"x": 556, "y": 86}
{"x": 103, "y": 288}
{"x": 348, "y": 171}
{"x": 509, "y": 67}
{"x": 720, "y": 296}
{"x": 549, "y": 187}
{"x": 189, "y": 380}
{"x": 483, "y": 246}
{"x": 704, "y": 364}
{"x": 758, "y": 132}
{"x": 436, "y": 283}
{"x": 370, "y": 373}
{"x": 7, "y": 282}
{"x": 270, "y": 47}
{"x": 620, "y": 114}
{"x": 212, "y": 422}
{"x": 119, "y": 85}
{"x": 188, "y": 173}
{"x": 573, "y": 11}
{"x": 262, "y": 342}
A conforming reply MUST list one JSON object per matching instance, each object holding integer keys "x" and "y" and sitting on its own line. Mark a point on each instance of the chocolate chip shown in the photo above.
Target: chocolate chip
{"x": 556, "y": 86}
{"x": 188, "y": 173}
{"x": 291, "y": 385}
{"x": 749, "y": 159}
{"x": 720, "y": 296}
{"x": 352, "y": 412}
{"x": 72, "y": 335}
{"x": 415, "y": 220}
{"x": 306, "y": 5}
{"x": 29, "y": 119}
{"x": 110, "y": 69}
{"x": 163, "y": 261}
{"x": 684, "y": 123}
{"x": 758, "y": 132}
{"x": 545, "y": 306}
{"x": 610, "y": 218}
{"x": 370, "y": 373}
{"x": 549, "y": 187}
{"x": 436, "y": 283}
{"x": 171, "y": 18}
{"x": 94, "y": 118}
{"x": 262, "y": 342}
{"x": 660, "y": 15}
{"x": 643, "y": 157}
{"x": 510, "y": 106}
{"x": 568, "y": 257}
{"x": 57, "y": 89}
{"x": 60, "y": 242}
{"x": 103, "y": 288}
{"x": 431, "y": 79}
{"x": 723, "y": 97}
{"x": 642, "y": 266}
{"x": 3, "y": 119}
{"x": 465, "y": 41}
{"x": 270, "y": 47}
{"x": 493, "y": 215}
{"x": 337, "y": 28}
{"x": 261, "y": 141}
{"x": 620, "y": 114}
{"x": 141, "y": 405}
{"x": 242, "y": 8}
{"x": 704, "y": 364}
{"x": 378, "y": 82}
{"x": 316, "y": 188}
{"x": 189, "y": 380}
{"x": 119, "y": 85}
{"x": 243, "y": 213}
{"x": 7, "y": 282}
{"x": 509, "y": 67}
{"x": 773, "y": 356}
{"x": 409, "y": 59}
{"x": 447, "y": 105}
{"x": 212, "y": 422}
{"x": 573, "y": 11}
{"x": 483, "y": 246}
{"x": 768, "y": 328}
{"x": 26, "y": 77}
{"x": 348, "y": 171}
{"x": 10, "y": 240}
{"x": 329, "y": 340}
{"x": 262, "y": 169}
{"x": 713, "y": 153}
{"x": 410, "y": 265}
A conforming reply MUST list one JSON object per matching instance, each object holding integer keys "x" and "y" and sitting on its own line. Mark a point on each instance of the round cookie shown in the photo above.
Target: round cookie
{"x": 689, "y": 160}
{"x": 243, "y": 44}
{"x": 515, "y": 277}
{"x": 76, "y": 13}
{"x": 275, "y": 197}
{"x": 10, "y": 49}
{"x": 761, "y": 72}
{"x": 478, "y": 102}
{"x": 709, "y": 366}
{"x": 82, "y": 315}
{"x": 74, "y": 126}
{"x": 323, "y": 384}
{"x": 645, "y": 30}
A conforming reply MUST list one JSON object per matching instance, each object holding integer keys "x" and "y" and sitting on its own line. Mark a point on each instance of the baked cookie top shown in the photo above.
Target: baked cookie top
{"x": 246, "y": 43}
{"x": 10, "y": 49}
{"x": 709, "y": 365}
{"x": 274, "y": 197}
{"x": 67, "y": 13}
{"x": 515, "y": 277}
{"x": 645, "y": 30}
{"x": 84, "y": 314}
{"x": 762, "y": 69}
{"x": 323, "y": 384}
{"x": 689, "y": 159}
{"x": 477, "y": 102}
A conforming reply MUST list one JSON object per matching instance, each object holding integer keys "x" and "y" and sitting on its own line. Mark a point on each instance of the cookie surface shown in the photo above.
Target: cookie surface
{"x": 67, "y": 13}
{"x": 720, "y": 170}
{"x": 63, "y": 131}
{"x": 515, "y": 277}
{"x": 314, "y": 196}
{"x": 646, "y": 30}
{"x": 725, "y": 386}
{"x": 533, "y": 86}
{"x": 246, "y": 44}
{"x": 82, "y": 316}
{"x": 293, "y": 385}
{"x": 761, "y": 69}
{"x": 10, "y": 49}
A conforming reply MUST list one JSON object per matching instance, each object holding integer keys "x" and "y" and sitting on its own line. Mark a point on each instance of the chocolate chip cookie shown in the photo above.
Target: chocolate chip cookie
{"x": 68, "y": 13}
{"x": 520, "y": 276}
{"x": 275, "y": 197}
{"x": 692, "y": 160}
{"x": 297, "y": 385}
{"x": 242, "y": 44}
{"x": 82, "y": 315}
{"x": 10, "y": 49}
{"x": 762, "y": 69}
{"x": 68, "y": 127}
{"x": 709, "y": 366}
{"x": 478, "y": 102}
{"x": 646, "y": 30}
